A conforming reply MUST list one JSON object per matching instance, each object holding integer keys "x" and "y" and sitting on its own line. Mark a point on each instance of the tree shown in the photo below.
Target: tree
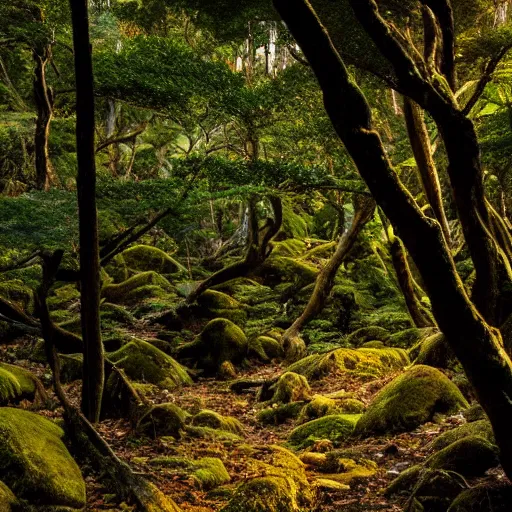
{"x": 477, "y": 344}
{"x": 90, "y": 282}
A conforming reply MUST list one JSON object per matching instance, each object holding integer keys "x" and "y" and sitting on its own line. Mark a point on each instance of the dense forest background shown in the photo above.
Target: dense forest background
{"x": 259, "y": 259}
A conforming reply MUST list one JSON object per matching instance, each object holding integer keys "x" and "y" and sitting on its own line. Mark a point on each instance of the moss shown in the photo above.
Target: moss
{"x": 281, "y": 484}
{"x": 135, "y": 288}
{"x": 290, "y": 247}
{"x": 351, "y": 406}
{"x": 337, "y": 428}
{"x": 143, "y": 362}
{"x": 474, "y": 413}
{"x": 163, "y": 420}
{"x": 290, "y": 387}
{"x": 410, "y": 400}
{"x": 211, "y": 433}
{"x": 481, "y": 428}
{"x": 147, "y": 258}
{"x": 207, "y": 473}
{"x": 408, "y": 337}
{"x": 212, "y": 299}
{"x": 221, "y": 340}
{"x": 215, "y": 304}
{"x": 265, "y": 348}
{"x": 322, "y": 251}
{"x": 63, "y": 297}
{"x": 318, "y": 407}
{"x": 16, "y": 291}
{"x": 347, "y": 470}
{"x": 35, "y": 463}
{"x": 227, "y": 371}
{"x": 16, "y": 383}
{"x": 368, "y": 362}
{"x": 434, "y": 351}
{"x": 364, "y": 334}
{"x": 116, "y": 313}
{"x": 483, "y": 498}
{"x": 405, "y": 481}
{"x": 326, "y": 485}
{"x": 71, "y": 367}
{"x": 9, "y": 386}
{"x": 212, "y": 419}
{"x": 7, "y": 498}
{"x": 280, "y": 268}
{"x": 117, "y": 269}
{"x": 373, "y": 344}
{"x": 469, "y": 456}
{"x": 280, "y": 413}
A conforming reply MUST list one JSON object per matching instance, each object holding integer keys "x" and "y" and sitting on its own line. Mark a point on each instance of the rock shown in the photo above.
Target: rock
{"x": 351, "y": 406}
{"x": 212, "y": 419}
{"x": 117, "y": 269}
{"x": 265, "y": 348}
{"x": 214, "y": 304}
{"x": 207, "y": 473}
{"x": 405, "y": 481}
{"x": 16, "y": 383}
{"x": 365, "y": 362}
{"x": 336, "y": 428}
{"x": 409, "y": 337}
{"x": 483, "y": 499}
{"x": 7, "y": 498}
{"x": 480, "y": 428}
{"x": 277, "y": 269}
{"x": 435, "y": 351}
{"x": 367, "y": 334}
{"x": 410, "y": 400}
{"x": 221, "y": 340}
{"x": 281, "y": 484}
{"x": 145, "y": 363}
{"x": 318, "y": 407}
{"x": 146, "y": 258}
{"x": 163, "y": 420}
{"x": 290, "y": 387}
{"x": 35, "y": 464}
{"x": 469, "y": 456}
{"x": 227, "y": 371}
{"x": 281, "y": 413}
{"x": 474, "y": 413}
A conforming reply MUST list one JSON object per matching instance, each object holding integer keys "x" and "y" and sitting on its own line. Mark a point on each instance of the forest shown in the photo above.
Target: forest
{"x": 256, "y": 255}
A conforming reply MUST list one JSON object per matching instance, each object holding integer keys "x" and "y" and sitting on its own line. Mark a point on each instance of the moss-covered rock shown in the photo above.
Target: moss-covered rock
{"x": 373, "y": 344}
{"x": 290, "y": 247}
{"x": 212, "y": 299}
{"x": 366, "y": 334}
{"x": 207, "y": 473}
{"x": 290, "y": 387}
{"x": 410, "y": 400}
{"x": 16, "y": 291}
{"x": 212, "y": 419}
{"x": 405, "y": 481}
{"x": 63, "y": 297}
{"x": 481, "y": 428}
{"x": 34, "y": 462}
{"x": 115, "y": 313}
{"x": 145, "y": 363}
{"x": 216, "y": 304}
{"x": 351, "y": 406}
{"x": 409, "y": 337}
{"x": 469, "y": 456}
{"x": 281, "y": 484}
{"x": 117, "y": 269}
{"x": 279, "y": 414}
{"x": 15, "y": 383}
{"x": 146, "y": 258}
{"x": 138, "y": 287}
{"x": 336, "y": 428}
{"x": 265, "y": 348}
{"x": 365, "y": 362}
{"x": 318, "y": 407}
{"x": 434, "y": 351}
{"x": 163, "y": 420}
{"x": 483, "y": 499}
{"x": 280, "y": 268}
{"x": 7, "y": 498}
{"x": 221, "y": 340}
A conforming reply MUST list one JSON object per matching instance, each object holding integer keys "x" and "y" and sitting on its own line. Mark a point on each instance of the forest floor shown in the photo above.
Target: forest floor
{"x": 392, "y": 454}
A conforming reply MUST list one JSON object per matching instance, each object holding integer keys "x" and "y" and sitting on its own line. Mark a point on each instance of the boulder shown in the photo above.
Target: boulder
{"x": 212, "y": 419}
{"x": 163, "y": 420}
{"x": 483, "y": 498}
{"x": 144, "y": 258}
{"x": 290, "y": 387}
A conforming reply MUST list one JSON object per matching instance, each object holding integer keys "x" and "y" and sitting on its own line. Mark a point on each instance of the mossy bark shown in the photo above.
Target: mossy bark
{"x": 477, "y": 345}
{"x": 293, "y": 345}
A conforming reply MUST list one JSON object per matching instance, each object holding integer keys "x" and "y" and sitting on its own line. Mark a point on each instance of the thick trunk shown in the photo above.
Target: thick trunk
{"x": 257, "y": 251}
{"x": 93, "y": 375}
{"x": 478, "y": 346}
{"x": 292, "y": 343}
{"x": 420, "y": 316}
{"x": 44, "y": 103}
{"x": 420, "y": 143}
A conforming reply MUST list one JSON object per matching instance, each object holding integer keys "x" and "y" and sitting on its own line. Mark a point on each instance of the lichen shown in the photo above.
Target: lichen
{"x": 365, "y": 362}
{"x": 34, "y": 462}
{"x": 212, "y": 419}
{"x": 147, "y": 258}
{"x": 163, "y": 420}
{"x": 336, "y": 428}
{"x": 143, "y": 362}
{"x": 410, "y": 400}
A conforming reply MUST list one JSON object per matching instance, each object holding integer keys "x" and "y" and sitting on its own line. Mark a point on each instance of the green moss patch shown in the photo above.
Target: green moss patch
{"x": 290, "y": 387}
{"x": 480, "y": 428}
{"x": 15, "y": 383}
{"x": 212, "y": 419}
{"x": 410, "y": 400}
{"x": 483, "y": 498}
{"x": 147, "y": 258}
{"x": 163, "y": 420}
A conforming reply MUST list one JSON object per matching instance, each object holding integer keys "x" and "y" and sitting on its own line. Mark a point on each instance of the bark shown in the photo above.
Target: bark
{"x": 292, "y": 343}
{"x": 43, "y": 97}
{"x": 477, "y": 345}
{"x": 257, "y": 251}
{"x": 420, "y": 144}
{"x": 93, "y": 376}
{"x": 420, "y": 316}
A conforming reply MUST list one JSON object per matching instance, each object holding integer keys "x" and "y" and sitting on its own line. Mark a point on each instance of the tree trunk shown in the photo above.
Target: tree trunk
{"x": 293, "y": 344}
{"x": 257, "y": 251}
{"x": 93, "y": 374}
{"x": 420, "y": 316}
{"x": 43, "y": 98}
{"x": 478, "y": 346}
{"x": 420, "y": 143}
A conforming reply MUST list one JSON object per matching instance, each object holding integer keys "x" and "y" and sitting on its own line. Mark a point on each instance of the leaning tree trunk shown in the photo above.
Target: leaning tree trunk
{"x": 93, "y": 373}
{"x": 478, "y": 346}
{"x": 257, "y": 251}
{"x": 43, "y": 98}
{"x": 293, "y": 344}
{"x": 420, "y": 316}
